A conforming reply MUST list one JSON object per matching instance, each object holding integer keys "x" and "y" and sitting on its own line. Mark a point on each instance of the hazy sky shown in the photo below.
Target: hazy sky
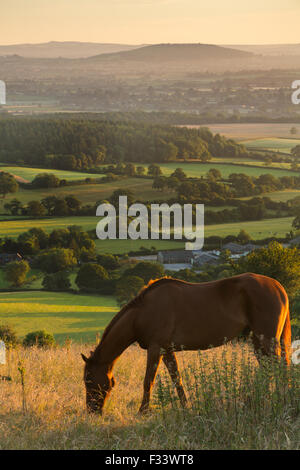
{"x": 150, "y": 21}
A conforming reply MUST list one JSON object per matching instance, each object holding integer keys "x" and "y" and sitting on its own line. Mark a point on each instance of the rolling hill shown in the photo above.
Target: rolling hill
{"x": 68, "y": 50}
{"x": 176, "y": 52}
{"x": 269, "y": 49}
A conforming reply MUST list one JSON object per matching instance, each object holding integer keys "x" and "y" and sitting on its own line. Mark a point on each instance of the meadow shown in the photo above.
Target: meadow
{"x": 77, "y": 316}
{"x": 92, "y": 193}
{"x": 197, "y": 169}
{"x": 28, "y": 174}
{"x": 257, "y": 229}
{"x": 244, "y": 131}
{"x": 275, "y": 144}
{"x": 232, "y": 403}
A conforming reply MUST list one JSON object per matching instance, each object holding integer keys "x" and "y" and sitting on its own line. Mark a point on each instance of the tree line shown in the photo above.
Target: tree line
{"x": 73, "y": 144}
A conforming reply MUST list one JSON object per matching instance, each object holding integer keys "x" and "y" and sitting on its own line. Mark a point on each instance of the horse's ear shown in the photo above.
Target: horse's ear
{"x": 84, "y": 358}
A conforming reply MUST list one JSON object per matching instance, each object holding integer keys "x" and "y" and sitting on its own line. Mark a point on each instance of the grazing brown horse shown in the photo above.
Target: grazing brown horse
{"x": 172, "y": 315}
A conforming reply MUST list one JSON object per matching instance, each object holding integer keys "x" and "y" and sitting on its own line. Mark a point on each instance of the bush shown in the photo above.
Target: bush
{"x": 39, "y": 338}
{"x": 146, "y": 270}
{"x": 57, "y": 281}
{"x": 8, "y": 335}
{"x": 127, "y": 288}
{"x": 54, "y": 260}
{"x": 90, "y": 277}
{"x": 15, "y": 272}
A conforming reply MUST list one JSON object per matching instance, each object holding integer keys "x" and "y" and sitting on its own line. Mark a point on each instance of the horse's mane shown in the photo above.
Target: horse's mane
{"x": 152, "y": 284}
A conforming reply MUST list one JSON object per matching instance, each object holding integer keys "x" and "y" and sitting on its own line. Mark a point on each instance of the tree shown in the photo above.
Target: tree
{"x": 282, "y": 264}
{"x": 14, "y": 206}
{"x": 45, "y": 180}
{"x": 127, "y": 288}
{"x": 57, "y": 282}
{"x": 159, "y": 182}
{"x": 8, "y": 335}
{"x": 15, "y": 272}
{"x": 140, "y": 170}
{"x": 293, "y": 131}
{"x": 214, "y": 174}
{"x": 39, "y": 338}
{"x": 54, "y": 260}
{"x": 109, "y": 262}
{"x": 91, "y": 276}
{"x": 73, "y": 203}
{"x": 146, "y": 271}
{"x": 36, "y": 209}
{"x": 8, "y": 184}
{"x": 114, "y": 198}
{"x": 179, "y": 174}
{"x": 243, "y": 236}
{"x": 296, "y": 151}
{"x": 154, "y": 170}
{"x": 129, "y": 169}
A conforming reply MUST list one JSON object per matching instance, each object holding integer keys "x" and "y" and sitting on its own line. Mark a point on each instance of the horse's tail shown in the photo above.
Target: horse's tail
{"x": 286, "y": 338}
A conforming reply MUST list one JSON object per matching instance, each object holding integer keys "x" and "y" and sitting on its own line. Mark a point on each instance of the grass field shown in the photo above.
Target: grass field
{"x": 92, "y": 193}
{"x": 274, "y": 144}
{"x": 142, "y": 188}
{"x": 79, "y": 317}
{"x": 252, "y": 130}
{"x": 29, "y": 174}
{"x": 280, "y": 196}
{"x": 231, "y": 404}
{"x": 257, "y": 229}
{"x": 201, "y": 169}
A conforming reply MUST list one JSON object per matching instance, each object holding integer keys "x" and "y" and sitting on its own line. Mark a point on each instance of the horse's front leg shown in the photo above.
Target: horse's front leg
{"x": 153, "y": 360}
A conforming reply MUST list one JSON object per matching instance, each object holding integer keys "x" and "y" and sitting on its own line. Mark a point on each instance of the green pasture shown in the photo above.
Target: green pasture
{"x": 13, "y": 228}
{"x": 274, "y": 144}
{"x": 29, "y": 174}
{"x": 195, "y": 169}
{"x": 244, "y": 131}
{"x": 79, "y": 317}
{"x": 92, "y": 193}
{"x": 258, "y": 229}
{"x": 279, "y": 196}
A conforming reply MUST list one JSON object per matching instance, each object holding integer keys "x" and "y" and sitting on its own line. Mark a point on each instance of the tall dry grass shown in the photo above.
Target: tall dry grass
{"x": 233, "y": 403}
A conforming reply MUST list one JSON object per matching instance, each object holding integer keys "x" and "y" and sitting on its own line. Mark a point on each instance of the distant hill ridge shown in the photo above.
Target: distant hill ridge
{"x": 68, "y": 49}
{"x": 177, "y": 52}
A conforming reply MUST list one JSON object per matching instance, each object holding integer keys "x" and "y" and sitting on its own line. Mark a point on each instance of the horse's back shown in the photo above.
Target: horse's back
{"x": 196, "y": 315}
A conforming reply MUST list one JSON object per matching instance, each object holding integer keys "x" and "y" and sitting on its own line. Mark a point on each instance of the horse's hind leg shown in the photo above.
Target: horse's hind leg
{"x": 171, "y": 363}
{"x": 153, "y": 361}
{"x": 265, "y": 347}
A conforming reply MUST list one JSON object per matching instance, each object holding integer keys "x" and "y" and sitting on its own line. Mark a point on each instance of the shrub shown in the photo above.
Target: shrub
{"x": 15, "y": 272}
{"x": 146, "y": 271}
{"x": 8, "y": 335}
{"x": 127, "y": 288}
{"x": 55, "y": 259}
{"x": 57, "y": 281}
{"x": 108, "y": 261}
{"x": 90, "y": 277}
{"x": 39, "y": 338}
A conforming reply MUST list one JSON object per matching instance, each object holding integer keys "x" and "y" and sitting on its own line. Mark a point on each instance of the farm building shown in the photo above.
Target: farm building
{"x": 206, "y": 257}
{"x": 175, "y": 257}
{"x": 236, "y": 249}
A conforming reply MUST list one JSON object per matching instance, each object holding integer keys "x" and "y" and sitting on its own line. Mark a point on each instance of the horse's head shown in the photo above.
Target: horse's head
{"x": 99, "y": 382}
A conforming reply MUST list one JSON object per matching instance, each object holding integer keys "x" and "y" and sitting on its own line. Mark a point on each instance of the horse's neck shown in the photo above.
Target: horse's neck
{"x": 119, "y": 338}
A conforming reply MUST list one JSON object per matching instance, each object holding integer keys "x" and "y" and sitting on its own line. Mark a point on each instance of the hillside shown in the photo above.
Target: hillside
{"x": 176, "y": 52}
{"x": 68, "y": 50}
{"x": 269, "y": 49}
